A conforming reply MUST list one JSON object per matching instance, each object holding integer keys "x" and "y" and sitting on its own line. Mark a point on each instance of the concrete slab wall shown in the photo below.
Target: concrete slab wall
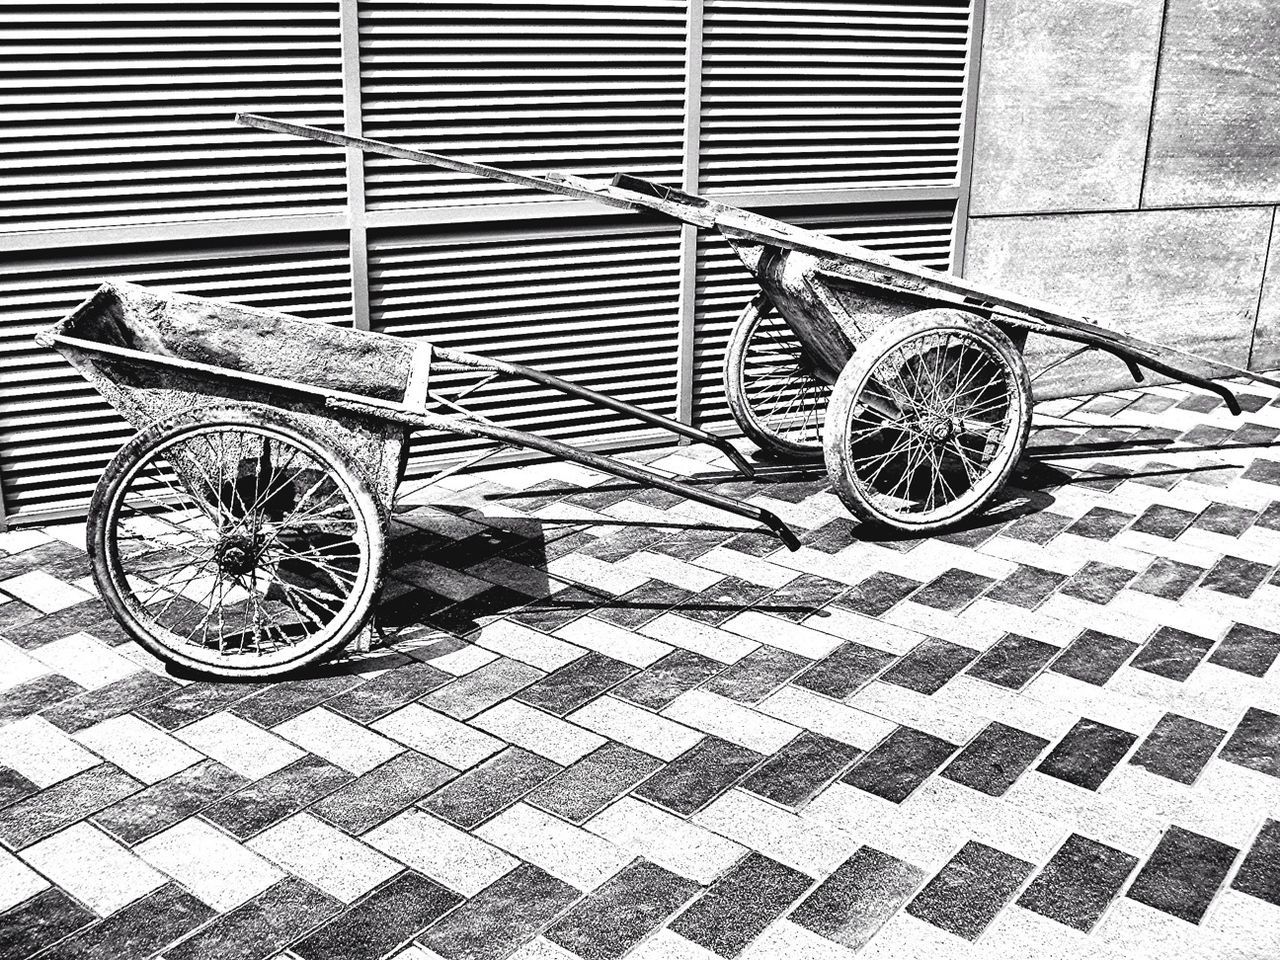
{"x": 1127, "y": 166}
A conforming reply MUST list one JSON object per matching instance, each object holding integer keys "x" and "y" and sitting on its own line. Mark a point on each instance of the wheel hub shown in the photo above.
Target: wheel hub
{"x": 939, "y": 429}
{"x": 238, "y": 555}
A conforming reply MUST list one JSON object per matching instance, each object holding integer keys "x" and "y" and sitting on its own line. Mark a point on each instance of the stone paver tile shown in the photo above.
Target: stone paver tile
{"x": 453, "y": 857}
{"x": 726, "y": 718}
{"x": 688, "y": 849}
{"x": 217, "y": 869}
{"x": 41, "y": 752}
{"x": 700, "y": 638}
{"x": 572, "y": 854}
{"x": 350, "y": 745}
{"x": 138, "y": 748}
{"x": 848, "y": 724}
{"x": 613, "y": 641}
{"x": 17, "y": 881}
{"x": 93, "y": 868}
{"x": 540, "y": 732}
{"x": 636, "y": 727}
{"x": 784, "y": 634}
{"x": 236, "y": 743}
{"x": 85, "y": 660}
{"x": 443, "y": 738}
{"x": 527, "y": 645}
{"x": 324, "y": 856}
{"x": 45, "y": 592}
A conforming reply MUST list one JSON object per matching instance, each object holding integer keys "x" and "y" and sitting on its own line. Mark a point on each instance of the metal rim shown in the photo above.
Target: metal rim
{"x": 785, "y": 401}
{"x": 933, "y": 425}
{"x": 239, "y": 546}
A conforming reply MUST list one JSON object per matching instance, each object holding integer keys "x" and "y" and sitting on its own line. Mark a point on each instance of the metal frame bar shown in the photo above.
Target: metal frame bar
{"x": 968, "y": 135}
{"x": 686, "y": 304}
{"x": 353, "y": 124}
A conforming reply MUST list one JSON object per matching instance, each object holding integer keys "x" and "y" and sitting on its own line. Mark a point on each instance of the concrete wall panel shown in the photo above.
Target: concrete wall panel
{"x": 1266, "y": 337}
{"x": 1215, "y": 135}
{"x": 1185, "y": 277}
{"x": 1063, "y": 105}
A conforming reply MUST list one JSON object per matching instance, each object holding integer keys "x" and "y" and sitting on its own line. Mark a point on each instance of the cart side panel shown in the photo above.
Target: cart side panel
{"x": 145, "y": 394}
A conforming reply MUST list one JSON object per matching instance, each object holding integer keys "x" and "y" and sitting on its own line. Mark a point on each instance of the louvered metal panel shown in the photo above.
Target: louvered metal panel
{"x": 918, "y": 232}
{"x": 804, "y": 94}
{"x": 587, "y": 87}
{"x": 122, "y": 112}
{"x": 56, "y": 433}
{"x": 591, "y": 300}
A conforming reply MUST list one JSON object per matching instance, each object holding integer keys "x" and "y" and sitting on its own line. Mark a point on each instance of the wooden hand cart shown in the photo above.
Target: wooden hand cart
{"x": 241, "y": 532}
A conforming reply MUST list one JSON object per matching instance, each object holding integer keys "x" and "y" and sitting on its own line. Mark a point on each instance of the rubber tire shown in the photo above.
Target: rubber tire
{"x": 847, "y": 388}
{"x": 371, "y": 511}
{"x": 735, "y": 391}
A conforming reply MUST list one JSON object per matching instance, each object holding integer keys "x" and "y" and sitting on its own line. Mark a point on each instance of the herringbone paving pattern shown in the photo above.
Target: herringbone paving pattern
{"x": 605, "y": 722}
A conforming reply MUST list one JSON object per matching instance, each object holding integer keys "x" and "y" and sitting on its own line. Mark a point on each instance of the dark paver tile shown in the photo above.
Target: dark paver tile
{"x": 473, "y": 797}
{"x": 284, "y": 701}
{"x": 575, "y": 683}
{"x": 877, "y": 594}
{"x": 1159, "y": 520}
{"x": 1255, "y": 743}
{"x": 1167, "y": 578}
{"x": 929, "y": 665}
{"x": 483, "y": 688}
{"x": 35, "y": 695}
{"x": 252, "y": 809}
{"x": 699, "y": 775}
{"x": 645, "y": 603}
{"x": 502, "y": 917}
{"x": 383, "y": 792}
{"x": 692, "y": 543}
{"x": 952, "y": 590}
{"x": 558, "y": 610}
{"x": 1178, "y": 748}
{"x": 14, "y": 786}
{"x": 970, "y": 890}
{"x": 899, "y": 763}
{"x": 1093, "y": 657}
{"x": 1087, "y": 754}
{"x": 801, "y": 597}
{"x": 1183, "y": 874}
{"x": 163, "y": 804}
{"x": 375, "y": 925}
{"x": 856, "y": 900}
{"x": 261, "y": 926}
{"x": 737, "y": 907}
{"x": 1012, "y": 660}
{"x": 1172, "y": 653}
{"x": 141, "y": 929}
{"x": 845, "y": 670}
{"x": 389, "y": 691}
{"x": 1259, "y": 874}
{"x": 622, "y": 911}
{"x": 668, "y": 677}
{"x": 90, "y": 616}
{"x": 1037, "y": 528}
{"x": 1100, "y": 523}
{"x": 39, "y": 922}
{"x": 1237, "y": 577}
{"x": 1264, "y": 471}
{"x": 995, "y": 758}
{"x": 1078, "y": 882}
{"x": 1225, "y": 518}
{"x": 43, "y": 814}
{"x": 1248, "y": 649}
{"x": 595, "y": 781}
{"x": 112, "y": 700}
{"x": 800, "y": 769}
{"x": 1026, "y": 587}
{"x": 1097, "y": 582}
{"x": 832, "y": 537}
{"x": 193, "y": 702}
{"x": 757, "y": 674}
{"x": 721, "y": 600}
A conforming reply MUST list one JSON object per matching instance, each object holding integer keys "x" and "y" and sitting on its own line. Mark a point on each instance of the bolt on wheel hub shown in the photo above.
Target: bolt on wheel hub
{"x": 237, "y": 555}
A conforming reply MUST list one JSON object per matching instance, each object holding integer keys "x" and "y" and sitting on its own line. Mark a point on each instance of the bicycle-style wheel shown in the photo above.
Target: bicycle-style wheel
{"x": 231, "y": 542}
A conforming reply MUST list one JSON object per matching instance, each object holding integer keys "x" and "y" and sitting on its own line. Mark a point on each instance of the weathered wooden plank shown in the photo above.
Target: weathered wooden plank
{"x": 1063, "y": 105}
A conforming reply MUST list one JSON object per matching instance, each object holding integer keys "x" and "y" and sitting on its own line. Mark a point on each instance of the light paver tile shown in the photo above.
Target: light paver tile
{"x": 325, "y": 857}
{"x": 574, "y": 855}
{"x": 438, "y": 736}
{"x": 444, "y": 853}
{"x": 349, "y": 745}
{"x": 784, "y": 940}
{"x": 686, "y": 848}
{"x": 139, "y": 749}
{"x": 16, "y": 667}
{"x": 545, "y": 735}
{"x": 83, "y": 659}
{"x": 243, "y": 746}
{"x": 699, "y": 638}
{"x": 596, "y": 573}
{"x": 734, "y": 563}
{"x": 44, "y": 591}
{"x": 810, "y": 846}
{"x": 41, "y": 752}
{"x": 221, "y": 872}
{"x": 458, "y": 661}
{"x": 527, "y": 645}
{"x": 730, "y": 720}
{"x": 784, "y": 634}
{"x": 612, "y": 641}
{"x": 848, "y": 724}
{"x": 93, "y": 868}
{"x": 636, "y": 727}
{"x": 659, "y": 566}
{"x": 17, "y": 881}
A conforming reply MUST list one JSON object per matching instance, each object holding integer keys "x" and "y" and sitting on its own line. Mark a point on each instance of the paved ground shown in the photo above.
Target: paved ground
{"x": 606, "y": 725}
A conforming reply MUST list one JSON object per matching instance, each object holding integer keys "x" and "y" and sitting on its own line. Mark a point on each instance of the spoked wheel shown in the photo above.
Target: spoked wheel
{"x": 231, "y": 542}
{"x": 927, "y": 420}
{"x": 770, "y": 385}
